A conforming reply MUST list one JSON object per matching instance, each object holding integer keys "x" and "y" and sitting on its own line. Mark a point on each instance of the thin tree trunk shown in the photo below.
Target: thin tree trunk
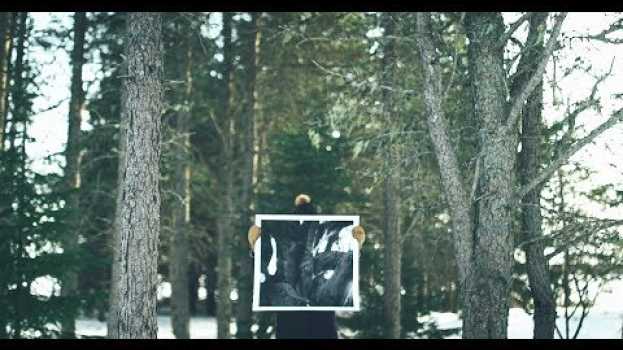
{"x": 180, "y": 247}
{"x": 18, "y": 115}
{"x": 565, "y": 259}
{"x": 451, "y": 179}
{"x": 72, "y": 168}
{"x": 135, "y": 279}
{"x": 529, "y": 161}
{"x": 225, "y": 222}
{"x": 210, "y": 302}
{"x": 6, "y": 30}
{"x": 193, "y": 286}
{"x": 5, "y": 56}
{"x": 245, "y": 285}
{"x": 391, "y": 193}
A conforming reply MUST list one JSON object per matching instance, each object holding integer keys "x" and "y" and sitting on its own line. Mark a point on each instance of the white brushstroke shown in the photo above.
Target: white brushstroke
{"x": 272, "y": 265}
{"x": 343, "y": 243}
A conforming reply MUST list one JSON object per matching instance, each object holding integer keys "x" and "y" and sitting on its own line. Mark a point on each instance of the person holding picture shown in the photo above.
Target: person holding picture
{"x": 305, "y": 324}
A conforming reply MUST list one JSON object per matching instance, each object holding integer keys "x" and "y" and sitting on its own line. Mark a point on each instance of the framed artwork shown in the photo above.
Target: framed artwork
{"x": 306, "y": 263}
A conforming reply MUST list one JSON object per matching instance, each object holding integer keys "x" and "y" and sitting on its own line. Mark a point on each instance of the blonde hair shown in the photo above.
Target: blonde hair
{"x": 302, "y": 199}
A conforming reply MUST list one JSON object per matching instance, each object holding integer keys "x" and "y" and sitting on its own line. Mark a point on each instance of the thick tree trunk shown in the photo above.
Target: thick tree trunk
{"x": 180, "y": 247}
{"x": 72, "y": 167}
{"x": 245, "y": 285}
{"x": 135, "y": 279}
{"x": 529, "y": 162}
{"x": 488, "y": 288}
{"x": 225, "y": 222}
{"x": 5, "y": 55}
{"x": 391, "y": 192}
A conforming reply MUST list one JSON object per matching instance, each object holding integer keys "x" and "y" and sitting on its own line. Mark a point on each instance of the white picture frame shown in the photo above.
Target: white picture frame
{"x": 257, "y": 263}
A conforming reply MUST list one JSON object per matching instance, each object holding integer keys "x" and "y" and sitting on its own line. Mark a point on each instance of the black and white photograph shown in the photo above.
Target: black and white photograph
{"x": 306, "y": 262}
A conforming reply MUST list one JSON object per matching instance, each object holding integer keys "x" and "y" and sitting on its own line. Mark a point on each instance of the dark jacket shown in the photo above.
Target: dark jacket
{"x": 306, "y": 325}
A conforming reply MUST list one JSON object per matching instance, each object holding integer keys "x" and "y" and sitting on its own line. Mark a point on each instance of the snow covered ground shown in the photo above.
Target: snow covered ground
{"x": 604, "y": 320}
{"x": 200, "y": 327}
{"x": 599, "y": 324}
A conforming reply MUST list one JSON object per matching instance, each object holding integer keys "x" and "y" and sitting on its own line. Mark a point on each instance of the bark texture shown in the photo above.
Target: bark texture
{"x": 391, "y": 191}
{"x": 72, "y": 167}
{"x": 454, "y": 189}
{"x": 135, "y": 280}
{"x": 529, "y": 165}
{"x": 180, "y": 247}
{"x": 488, "y": 287}
{"x": 245, "y": 286}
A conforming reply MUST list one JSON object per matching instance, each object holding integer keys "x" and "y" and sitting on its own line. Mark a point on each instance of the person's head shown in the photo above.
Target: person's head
{"x": 302, "y": 205}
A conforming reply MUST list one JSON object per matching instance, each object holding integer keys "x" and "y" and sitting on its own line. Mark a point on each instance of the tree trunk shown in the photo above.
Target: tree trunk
{"x": 245, "y": 285}
{"x": 72, "y": 167}
{"x": 210, "y": 302}
{"x": 135, "y": 279}
{"x": 225, "y": 222}
{"x": 5, "y": 57}
{"x": 193, "y": 287}
{"x": 14, "y": 319}
{"x": 451, "y": 179}
{"x": 529, "y": 162}
{"x": 391, "y": 192}
{"x": 488, "y": 290}
{"x": 180, "y": 248}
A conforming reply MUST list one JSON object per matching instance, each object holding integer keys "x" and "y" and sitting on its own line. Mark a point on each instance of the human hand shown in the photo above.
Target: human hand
{"x": 253, "y": 235}
{"x": 359, "y": 234}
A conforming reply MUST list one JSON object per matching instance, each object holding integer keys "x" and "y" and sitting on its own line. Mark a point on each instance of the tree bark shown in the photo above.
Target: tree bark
{"x": 72, "y": 167}
{"x": 135, "y": 279}
{"x": 529, "y": 163}
{"x": 451, "y": 179}
{"x": 180, "y": 247}
{"x": 488, "y": 294}
{"x": 245, "y": 285}
{"x": 391, "y": 192}
{"x": 225, "y": 222}
{"x": 454, "y": 189}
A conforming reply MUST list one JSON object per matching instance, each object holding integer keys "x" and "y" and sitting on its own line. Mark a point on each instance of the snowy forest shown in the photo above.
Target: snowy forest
{"x": 482, "y": 151}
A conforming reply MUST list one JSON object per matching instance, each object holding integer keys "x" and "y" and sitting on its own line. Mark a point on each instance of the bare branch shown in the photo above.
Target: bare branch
{"x": 520, "y": 98}
{"x": 587, "y": 234}
{"x": 602, "y": 36}
{"x": 513, "y": 28}
{"x": 573, "y": 149}
{"x": 362, "y": 82}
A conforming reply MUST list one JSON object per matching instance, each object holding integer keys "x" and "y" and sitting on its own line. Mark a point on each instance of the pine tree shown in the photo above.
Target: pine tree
{"x": 137, "y": 227}
{"x": 72, "y": 156}
{"x": 32, "y": 215}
